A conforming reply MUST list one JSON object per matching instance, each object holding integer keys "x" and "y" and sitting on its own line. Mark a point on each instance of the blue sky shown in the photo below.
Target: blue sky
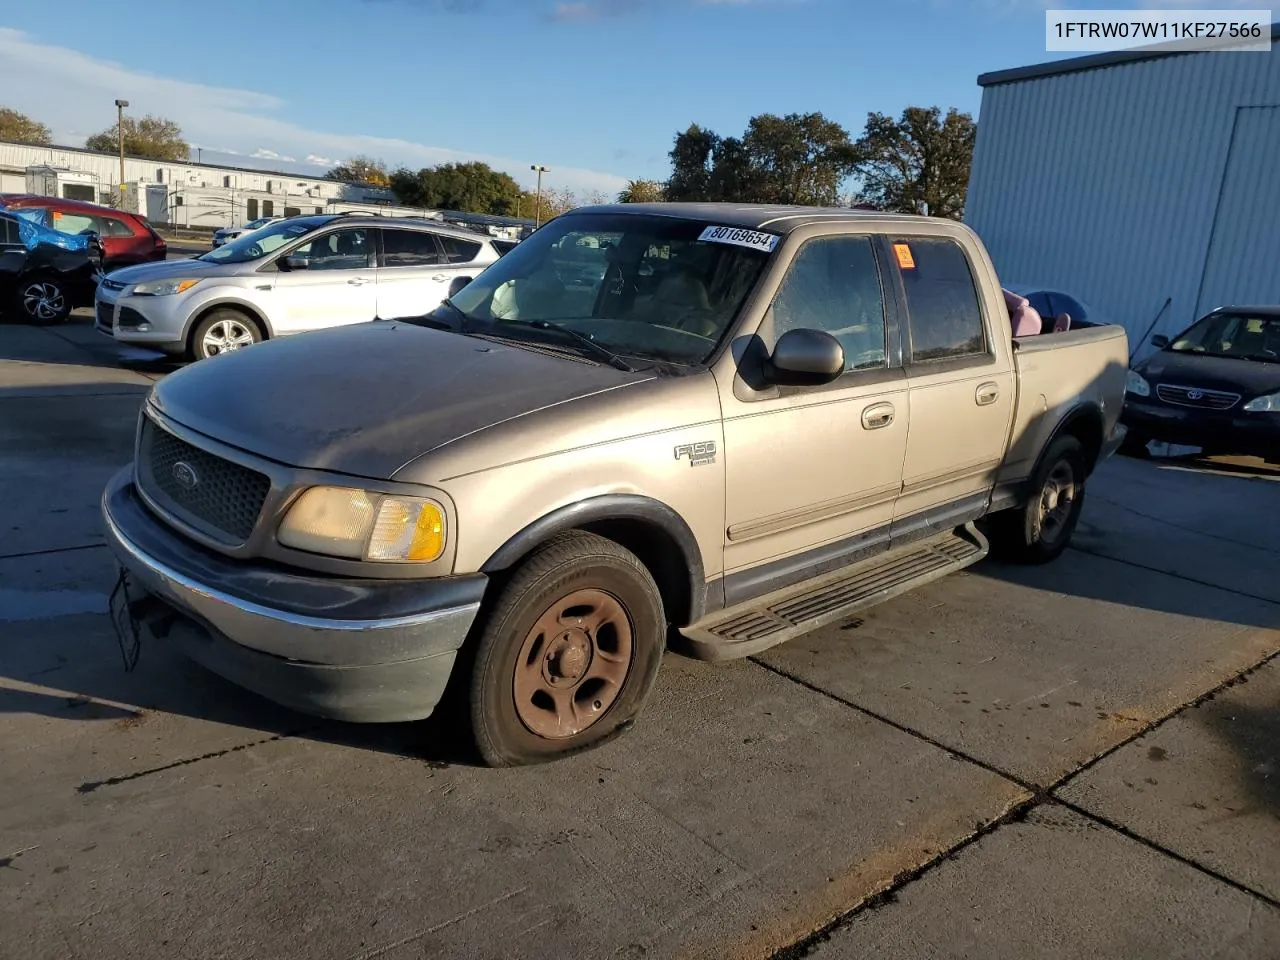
{"x": 594, "y": 89}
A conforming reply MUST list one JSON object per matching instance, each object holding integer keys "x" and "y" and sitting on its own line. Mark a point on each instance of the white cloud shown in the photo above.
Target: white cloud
{"x": 319, "y": 161}
{"x": 70, "y": 91}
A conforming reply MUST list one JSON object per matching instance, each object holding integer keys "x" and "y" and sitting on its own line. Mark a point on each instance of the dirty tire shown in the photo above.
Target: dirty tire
{"x": 223, "y": 331}
{"x": 568, "y": 652}
{"x": 43, "y": 301}
{"x": 1039, "y": 530}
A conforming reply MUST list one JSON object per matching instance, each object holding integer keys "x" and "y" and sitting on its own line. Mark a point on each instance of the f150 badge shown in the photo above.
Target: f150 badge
{"x": 699, "y": 454}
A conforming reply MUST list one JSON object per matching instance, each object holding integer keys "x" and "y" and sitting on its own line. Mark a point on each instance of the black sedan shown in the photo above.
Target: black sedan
{"x": 45, "y": 274}
{"x": 1215, "y": 386}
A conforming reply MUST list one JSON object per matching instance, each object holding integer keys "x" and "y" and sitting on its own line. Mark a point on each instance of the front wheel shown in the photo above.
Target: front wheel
{"x": 43, "y": 301}
{"x": 1039, "y": 530}
{"x": 568, "y": 654}
{"x": 223, "y": 331}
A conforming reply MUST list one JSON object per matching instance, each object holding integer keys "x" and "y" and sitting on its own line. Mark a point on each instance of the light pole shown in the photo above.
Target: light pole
{"x": 537, "y": 206}
{"x": 120, "y": 105}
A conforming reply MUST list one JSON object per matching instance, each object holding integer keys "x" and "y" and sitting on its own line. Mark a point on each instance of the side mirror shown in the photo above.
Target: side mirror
{"x": 295, "y": 263}
{"x": 806, "y": 358}
{"x": 456, "y": 284}
{"x": 1160, "y": 340}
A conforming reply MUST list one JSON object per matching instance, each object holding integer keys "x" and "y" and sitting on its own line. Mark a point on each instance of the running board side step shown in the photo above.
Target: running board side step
{"x": 756, "y": 625}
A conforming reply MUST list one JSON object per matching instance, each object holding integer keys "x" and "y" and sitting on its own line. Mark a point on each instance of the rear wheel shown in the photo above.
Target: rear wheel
{"x": 1039, "y": 530}
{"x": 568, "y": 653}
{"x": 223, "y": 331}
{"x": 43, "y": 301}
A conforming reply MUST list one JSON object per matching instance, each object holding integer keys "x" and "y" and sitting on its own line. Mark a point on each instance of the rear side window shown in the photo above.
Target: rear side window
{"x": 459, "y": 251}
{"x": 112, "y": 227}
{"x": 944, "y": 317}
{"x": 9, "y": 231}
{"x": 409, "y": 248}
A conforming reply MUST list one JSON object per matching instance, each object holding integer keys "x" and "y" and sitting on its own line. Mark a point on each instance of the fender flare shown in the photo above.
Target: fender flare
{"x": 603, "y": 509}
{"x": 1084, "y": 410}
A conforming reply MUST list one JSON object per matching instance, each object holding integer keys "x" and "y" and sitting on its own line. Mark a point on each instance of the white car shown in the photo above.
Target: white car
{"x": 227, "y": 234}
{"x": 298, "y": 274}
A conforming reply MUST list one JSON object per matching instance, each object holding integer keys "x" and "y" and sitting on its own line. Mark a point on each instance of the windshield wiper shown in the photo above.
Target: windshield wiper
{"x": 605, "y": 354}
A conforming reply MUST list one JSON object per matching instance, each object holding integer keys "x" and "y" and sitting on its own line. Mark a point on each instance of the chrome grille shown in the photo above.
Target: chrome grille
{"x": 198, "y": 487}
{"x": 112, "y": 285}
{"x": 1196, "y": 397}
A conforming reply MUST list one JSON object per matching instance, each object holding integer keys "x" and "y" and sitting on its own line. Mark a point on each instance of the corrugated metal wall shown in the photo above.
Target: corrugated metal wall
{"x": 1107, "y": 182}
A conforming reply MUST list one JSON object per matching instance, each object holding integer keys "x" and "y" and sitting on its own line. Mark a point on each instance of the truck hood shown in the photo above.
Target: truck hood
{"x": 366, "y": 399}
{"x": 1250, "y": 378}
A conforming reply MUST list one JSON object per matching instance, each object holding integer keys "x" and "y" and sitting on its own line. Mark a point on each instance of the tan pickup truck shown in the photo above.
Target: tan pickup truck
{"x": 711, "y": 425}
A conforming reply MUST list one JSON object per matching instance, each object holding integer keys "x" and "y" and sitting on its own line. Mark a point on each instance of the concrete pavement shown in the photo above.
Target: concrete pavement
{"x": 948, "y": 772}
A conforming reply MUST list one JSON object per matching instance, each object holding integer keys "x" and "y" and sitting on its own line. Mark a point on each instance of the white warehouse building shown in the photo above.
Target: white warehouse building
{"x": 1145, "y": 183}
{"x": 180, "y": 193}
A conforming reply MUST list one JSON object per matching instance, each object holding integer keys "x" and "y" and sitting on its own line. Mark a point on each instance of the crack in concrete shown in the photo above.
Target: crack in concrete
{"x": 89, "y": 786}
{"x": 1174, "y": 574}
{"x": 44, "y": 553}
{"x": 1041, "y": 795}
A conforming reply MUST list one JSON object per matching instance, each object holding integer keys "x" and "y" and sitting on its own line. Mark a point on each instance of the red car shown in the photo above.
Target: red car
{"x": 127, "y": 238}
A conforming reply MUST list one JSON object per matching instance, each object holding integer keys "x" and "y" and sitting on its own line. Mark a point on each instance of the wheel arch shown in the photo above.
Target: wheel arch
{"x": 650, "y": 529}
{"x": 1087, "y": 424}
{"x": 248, "y": 309}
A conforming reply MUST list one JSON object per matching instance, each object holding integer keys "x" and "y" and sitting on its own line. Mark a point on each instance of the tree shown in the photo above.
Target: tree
{"x": 19, "y": 128}
{"x": 691, "y": 164}
{"x": 470, "y": 187}
{"x": 799, "y": 158}
{"x": 361, "y": 169}
{"x": 642, "y": 191}
{"x": 918, "y": 163}
{"x": 151, "y": 137}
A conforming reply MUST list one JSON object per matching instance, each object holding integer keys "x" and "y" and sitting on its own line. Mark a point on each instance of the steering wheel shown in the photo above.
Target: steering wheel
{"x": 254, "y": 251}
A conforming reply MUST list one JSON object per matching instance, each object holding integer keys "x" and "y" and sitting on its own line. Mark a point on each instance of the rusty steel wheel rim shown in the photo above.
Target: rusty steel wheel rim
{"x": 573, "y": 664}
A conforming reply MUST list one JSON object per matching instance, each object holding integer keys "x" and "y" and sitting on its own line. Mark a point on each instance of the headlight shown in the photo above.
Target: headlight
{"x": 1267, "y": 404}
{"x": 163, "y": 288}
{"x": 358, "y": 524}
{"x": 1136, "y": 385}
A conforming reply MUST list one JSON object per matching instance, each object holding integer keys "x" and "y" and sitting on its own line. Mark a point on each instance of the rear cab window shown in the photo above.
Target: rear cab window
{"x": 944, "y": 314}
{"x": 457, "y": 250}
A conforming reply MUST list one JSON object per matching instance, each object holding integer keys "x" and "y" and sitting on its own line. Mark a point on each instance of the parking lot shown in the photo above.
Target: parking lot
{"x": 1080, "y": 759}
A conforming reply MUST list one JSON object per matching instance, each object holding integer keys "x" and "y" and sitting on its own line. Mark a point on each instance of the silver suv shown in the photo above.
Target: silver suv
{"x": 303, "y": 273}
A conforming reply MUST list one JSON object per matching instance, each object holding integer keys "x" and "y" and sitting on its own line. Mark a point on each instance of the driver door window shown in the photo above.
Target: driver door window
{"x": 834, "y": 286}
{"x": 341, "y": 250}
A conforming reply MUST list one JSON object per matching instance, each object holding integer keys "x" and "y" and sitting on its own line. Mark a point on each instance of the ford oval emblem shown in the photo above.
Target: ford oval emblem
{"x": 186, "y": 475}
{"x": 1195, "y": 394}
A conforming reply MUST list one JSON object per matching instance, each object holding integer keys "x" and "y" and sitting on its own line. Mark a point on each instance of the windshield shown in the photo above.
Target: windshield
{"x": 1243, "y": 336}
{"x": 640, "y": 286}
{"x": 260, "y": 243}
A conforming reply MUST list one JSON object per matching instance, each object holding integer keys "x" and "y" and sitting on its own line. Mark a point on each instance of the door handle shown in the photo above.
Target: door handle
{"x": 877, "y": 415}
{"x": 987, "y": 394}
{"x": 440, "y": 277}
{"x": 358, "y": 281}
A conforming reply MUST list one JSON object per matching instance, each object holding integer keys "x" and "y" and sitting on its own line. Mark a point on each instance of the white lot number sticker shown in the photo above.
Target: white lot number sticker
{"x": 753, "y": 239}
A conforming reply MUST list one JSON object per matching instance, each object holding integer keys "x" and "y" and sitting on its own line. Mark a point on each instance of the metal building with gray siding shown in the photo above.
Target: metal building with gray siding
{"x": 1133, "y": 178}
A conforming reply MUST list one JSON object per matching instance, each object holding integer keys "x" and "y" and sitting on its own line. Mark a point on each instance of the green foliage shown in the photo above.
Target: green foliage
{"x": 642, "y": 191}
{"x": 918, "y": 163}
{"x": 361, "y": 170}
{"x": 799, "y": 158}
{"x": 19, "y": 128}
{"x": 152, "y": 137}
{"x": 471, "y": 187}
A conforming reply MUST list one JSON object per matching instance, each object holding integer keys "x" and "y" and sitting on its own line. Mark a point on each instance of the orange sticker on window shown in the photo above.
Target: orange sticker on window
{"x": 903, "y": 253}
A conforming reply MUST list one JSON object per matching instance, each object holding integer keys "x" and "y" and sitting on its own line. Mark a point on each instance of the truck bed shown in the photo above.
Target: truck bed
{"x": 1056, "y": 373}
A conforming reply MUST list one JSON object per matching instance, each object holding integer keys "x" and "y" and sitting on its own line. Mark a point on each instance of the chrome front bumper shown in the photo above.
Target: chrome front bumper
{"x": 361, "y": 650}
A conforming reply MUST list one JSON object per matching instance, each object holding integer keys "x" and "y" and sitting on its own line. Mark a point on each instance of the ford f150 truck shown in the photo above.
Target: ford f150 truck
{"x": 753, "y": 422}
